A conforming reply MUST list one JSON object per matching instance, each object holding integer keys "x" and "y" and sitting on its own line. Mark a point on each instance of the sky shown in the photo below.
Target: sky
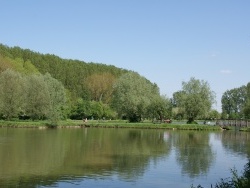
{"x": 166, "y": 41}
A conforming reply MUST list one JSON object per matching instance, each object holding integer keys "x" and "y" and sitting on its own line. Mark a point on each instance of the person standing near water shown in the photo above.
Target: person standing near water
{"x": 85, "y": 120}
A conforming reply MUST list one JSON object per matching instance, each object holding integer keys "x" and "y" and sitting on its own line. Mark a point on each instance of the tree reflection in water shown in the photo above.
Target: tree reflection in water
{"x": 236, "y": 142}
{"x": 33, "y": 158}
{"x": 193, "y": 152}
{"x": 47, "y": 156}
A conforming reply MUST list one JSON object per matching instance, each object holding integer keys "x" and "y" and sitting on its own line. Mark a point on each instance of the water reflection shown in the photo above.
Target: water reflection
{"x": 33, "y": 158}
{"x": 194, "y": 153}
{"x": 236, "y": 142}
{"x": 52, "y": 154}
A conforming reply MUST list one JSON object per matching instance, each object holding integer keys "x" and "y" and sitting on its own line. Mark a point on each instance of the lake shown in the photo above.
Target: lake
{"x": 106, "y": 157}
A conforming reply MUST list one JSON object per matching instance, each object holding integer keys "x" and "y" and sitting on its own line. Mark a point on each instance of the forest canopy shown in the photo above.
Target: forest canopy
{"x": 87, "y": 88}
{"x": 31, "y": 82}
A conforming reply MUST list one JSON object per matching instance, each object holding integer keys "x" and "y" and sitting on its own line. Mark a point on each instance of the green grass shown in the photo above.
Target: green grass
{"x": 148, "y": 125}
{"x": 18, "y": 123}
{"x": 107, "y": 124}
{"x": 247, "y": 129}
{"x": 113, "y": 124}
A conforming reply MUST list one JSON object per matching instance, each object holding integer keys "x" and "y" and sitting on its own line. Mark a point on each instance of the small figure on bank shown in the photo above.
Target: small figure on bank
{"x": 85, "y": 120}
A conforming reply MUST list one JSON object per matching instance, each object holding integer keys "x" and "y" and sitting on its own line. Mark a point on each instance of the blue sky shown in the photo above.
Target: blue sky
{"x": 167, "y": 41}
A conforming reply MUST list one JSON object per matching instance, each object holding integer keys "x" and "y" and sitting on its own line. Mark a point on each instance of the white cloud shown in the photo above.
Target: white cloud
{"x": 225, "y": 71}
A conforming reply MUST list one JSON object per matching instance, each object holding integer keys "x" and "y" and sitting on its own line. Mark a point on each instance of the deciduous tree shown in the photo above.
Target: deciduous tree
{"x": 233, "y": 102}
{"x": 247, "y": 103}
{"x": 37, "y": 103}
{"x": 197, "y": 98}
{"x": 100, "y": 86}
{"x": 11, "y": 93}
{"x": 57, "y": 98}
{"x": 160, "y": 107}
{"x": 132, "y": 96}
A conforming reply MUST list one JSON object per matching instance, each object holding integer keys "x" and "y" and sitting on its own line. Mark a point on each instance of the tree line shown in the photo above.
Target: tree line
{"x": 33, "y": 96}
{"x": 45, "y": 86}
{"x": 236, "y": 103}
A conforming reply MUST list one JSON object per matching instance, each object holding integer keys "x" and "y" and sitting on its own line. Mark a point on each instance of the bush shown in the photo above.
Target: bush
{"x": 192, "y": 122}
{"x": 235, "y": 181}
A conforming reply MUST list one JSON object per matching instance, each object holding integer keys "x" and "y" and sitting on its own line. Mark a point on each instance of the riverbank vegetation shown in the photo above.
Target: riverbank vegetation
{"x": 107, "y": 124}
{"x": 236, "y": 181}
{"x": 45, "y": 87}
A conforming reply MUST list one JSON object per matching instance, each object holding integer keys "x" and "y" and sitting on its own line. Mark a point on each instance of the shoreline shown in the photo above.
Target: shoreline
{"x": 106, "y": 124}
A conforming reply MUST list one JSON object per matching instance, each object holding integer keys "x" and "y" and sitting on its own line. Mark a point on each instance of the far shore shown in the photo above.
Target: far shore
{"x": 111, "y": 124}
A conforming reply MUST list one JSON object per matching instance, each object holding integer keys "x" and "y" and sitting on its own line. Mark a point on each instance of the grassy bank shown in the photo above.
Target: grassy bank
{"x": 114, "y": 124}
{"x": 106, "y": 124}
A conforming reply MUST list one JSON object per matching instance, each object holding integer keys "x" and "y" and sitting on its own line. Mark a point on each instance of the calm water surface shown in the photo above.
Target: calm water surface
{"x": 96, "y": 157}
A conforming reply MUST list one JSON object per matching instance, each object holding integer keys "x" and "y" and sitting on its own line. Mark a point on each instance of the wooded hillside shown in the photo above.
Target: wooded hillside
{"x": 91, "y": 90}
{"x": 72, "y": 73}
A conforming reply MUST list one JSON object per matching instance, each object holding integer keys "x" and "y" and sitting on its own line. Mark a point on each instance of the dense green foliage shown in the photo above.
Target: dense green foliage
{"x": 160, "y": 108}
{"x": 71, "y": 73}
{"x": 195, "y": 99}
{"x": 99, "y": 91}
{"x": 80, "y": 89}
{"x": 11, "y": 93}
{"x": 235, "y": 103}
{"x": 88, "y": 87}
{"x": 247, "y": 104}
{"x": 136, "y": 98}
{"x": 35, "y": 96}
{"x": 91, "y": 110}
